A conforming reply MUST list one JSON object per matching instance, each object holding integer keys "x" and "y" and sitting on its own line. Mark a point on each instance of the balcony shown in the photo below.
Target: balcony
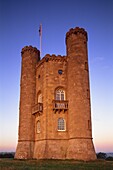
{"x": 37, "y": 108}
{"x": 59, "y": 105}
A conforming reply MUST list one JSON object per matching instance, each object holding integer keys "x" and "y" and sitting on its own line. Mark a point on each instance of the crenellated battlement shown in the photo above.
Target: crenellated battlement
{"x": 52, "y": 57}
{"x": 30, "y": 49}
{"x": 76, "y": 31}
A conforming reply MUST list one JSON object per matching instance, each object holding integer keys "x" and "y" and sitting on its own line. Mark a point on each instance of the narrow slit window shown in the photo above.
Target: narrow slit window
{"x": 86, "y": 66}
{"x": 88, "y": 94}
{"x": 38, "y": 127}
{"x": 89, "y": 125}
{"x": 40, "y": 98}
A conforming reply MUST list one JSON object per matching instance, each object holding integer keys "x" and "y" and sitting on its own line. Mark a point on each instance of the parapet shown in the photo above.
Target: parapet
{"x": 30, "y": 49}
{"x": 52, "y": 57}
{"x": 76, "y": 31}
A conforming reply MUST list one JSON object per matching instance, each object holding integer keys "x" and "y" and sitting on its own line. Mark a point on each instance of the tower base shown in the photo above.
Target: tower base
{"x": 24, "y": 150}
{"x": 50, "y": 149}
{"x": 78, "y": 149}
{"x": 81, "y": 149}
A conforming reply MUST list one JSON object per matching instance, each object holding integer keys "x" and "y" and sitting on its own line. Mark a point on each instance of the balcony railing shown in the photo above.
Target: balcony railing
{"x": 37, "y": 108}
{"x": 59, "y": 105}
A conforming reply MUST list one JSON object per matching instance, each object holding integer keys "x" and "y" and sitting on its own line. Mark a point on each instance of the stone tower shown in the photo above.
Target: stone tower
{"x": 80, "y": 144}
{"x": 55, "y": 110}
{"x": 25, "y": 146}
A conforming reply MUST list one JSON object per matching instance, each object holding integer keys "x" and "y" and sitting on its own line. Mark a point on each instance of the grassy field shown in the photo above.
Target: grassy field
{"x": 11, "y": 164}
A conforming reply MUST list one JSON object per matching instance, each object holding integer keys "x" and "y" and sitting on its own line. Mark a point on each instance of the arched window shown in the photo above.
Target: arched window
{"x": 61, "y": 124}
{"x": 38, "y": 127}
{"x": 59, "y": 94}
{"x": 40, "y": 98}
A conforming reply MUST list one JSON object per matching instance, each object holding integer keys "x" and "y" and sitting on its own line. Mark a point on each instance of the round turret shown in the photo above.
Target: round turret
{"x": 31, "y": 50}
{"x": 78, "y": 92}
{"x": 76, "y": 31}
{"x": 30, "y": 57}
{"x": 76, "y": 41}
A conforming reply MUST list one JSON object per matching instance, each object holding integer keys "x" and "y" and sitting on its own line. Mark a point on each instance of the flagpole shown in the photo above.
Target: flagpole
{"x": 40, "y": 34}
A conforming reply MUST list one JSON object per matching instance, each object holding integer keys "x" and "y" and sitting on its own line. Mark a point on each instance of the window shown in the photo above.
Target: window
{"x": 86, "y": 66}
{"x": 61, "y": 124}
{"x": 38, "y": 127}
{"x": 88, "y": 94}
{"x": 60, "y": 94}
{"x": 40, "y": 98}
{"x": 60, "y": 72}
{"x": 89, "y": 124}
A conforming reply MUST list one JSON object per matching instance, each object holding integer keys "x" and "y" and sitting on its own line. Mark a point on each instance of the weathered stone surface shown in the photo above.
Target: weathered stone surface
{"x": 39, "y": 136}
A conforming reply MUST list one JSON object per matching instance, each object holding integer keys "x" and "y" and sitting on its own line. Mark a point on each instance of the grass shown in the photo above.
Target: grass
{"x": 11, "y": 164}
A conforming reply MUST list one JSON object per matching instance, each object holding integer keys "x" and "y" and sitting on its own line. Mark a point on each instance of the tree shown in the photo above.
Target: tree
{"x": 101, "y": 155}
{"x": 6, "y": 155}
{"x": 110, "y": 158}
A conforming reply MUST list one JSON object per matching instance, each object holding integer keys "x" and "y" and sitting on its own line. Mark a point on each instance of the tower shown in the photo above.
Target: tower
{"x": 51, "y": 82}
{"x": 55, "y": 109}
{"x": 80, "y": 144}
{"x": 30, "y": 57}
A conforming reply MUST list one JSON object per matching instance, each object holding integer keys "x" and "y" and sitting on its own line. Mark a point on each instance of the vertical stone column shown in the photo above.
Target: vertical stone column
{"x": 30, "y": 57}
{"x": 80, "y": 130}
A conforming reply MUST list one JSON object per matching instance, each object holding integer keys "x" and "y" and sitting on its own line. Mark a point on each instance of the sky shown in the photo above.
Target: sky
{"x": 19, "y": 25}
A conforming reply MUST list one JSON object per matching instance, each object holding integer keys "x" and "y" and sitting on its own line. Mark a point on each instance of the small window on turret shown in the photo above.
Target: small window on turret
{"x": 60, "y": 72}
{"x": 86, "y": 66}
{"x": 40, "y": 98}
{"x": 88, "y": 94}
{"x": 38, "y": 127}
{"x": 89, "y": 125}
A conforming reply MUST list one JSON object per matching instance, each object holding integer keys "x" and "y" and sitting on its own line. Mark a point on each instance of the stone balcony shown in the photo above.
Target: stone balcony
{"x": 37, "y": 108}
{"x": 60, "y": 105}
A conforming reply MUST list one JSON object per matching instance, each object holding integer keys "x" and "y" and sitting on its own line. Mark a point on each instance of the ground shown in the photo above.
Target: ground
{"x": 11, "y": 164}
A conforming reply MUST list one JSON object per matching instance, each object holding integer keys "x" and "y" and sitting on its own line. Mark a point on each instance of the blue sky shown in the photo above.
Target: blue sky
{"x": 19, "y": 24}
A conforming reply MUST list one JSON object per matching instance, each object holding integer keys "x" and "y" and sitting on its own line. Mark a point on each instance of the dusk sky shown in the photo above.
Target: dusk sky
{"x": 19, "y": 25}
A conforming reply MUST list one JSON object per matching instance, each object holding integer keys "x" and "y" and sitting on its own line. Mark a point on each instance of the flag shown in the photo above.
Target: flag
{"x": 40, "y": 30}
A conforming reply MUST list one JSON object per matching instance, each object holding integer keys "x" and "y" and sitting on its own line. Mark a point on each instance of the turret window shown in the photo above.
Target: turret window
{"x": 38, "y": 127}
{"x": 86, "y": 66}
{"x": 61, "y": 124}
{"x": 88, "y": 94}
{"x": 40, "y": 98}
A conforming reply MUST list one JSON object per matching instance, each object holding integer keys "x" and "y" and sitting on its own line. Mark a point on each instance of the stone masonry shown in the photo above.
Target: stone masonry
{"x": 55, "y": 109}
